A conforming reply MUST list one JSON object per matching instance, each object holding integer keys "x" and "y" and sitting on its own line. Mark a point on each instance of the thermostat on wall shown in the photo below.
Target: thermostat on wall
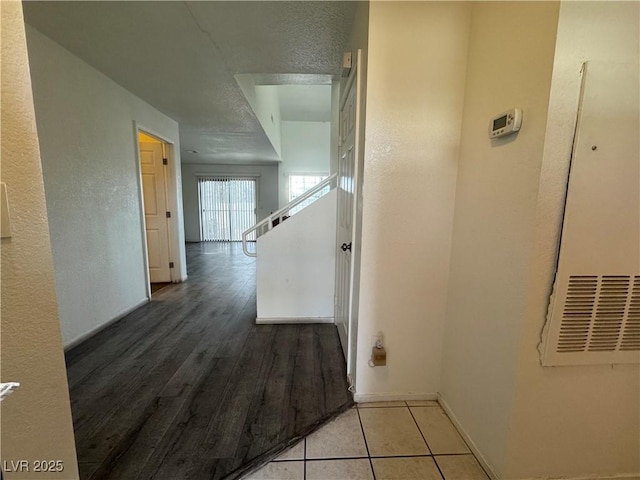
{"x": 505, "y": 123}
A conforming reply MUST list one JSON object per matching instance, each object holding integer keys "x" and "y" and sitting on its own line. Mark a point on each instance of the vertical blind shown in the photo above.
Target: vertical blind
{"x": 227, "y": 208}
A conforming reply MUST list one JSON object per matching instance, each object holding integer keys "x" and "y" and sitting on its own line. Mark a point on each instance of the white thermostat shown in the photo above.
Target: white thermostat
{"x": 505, "y": 123}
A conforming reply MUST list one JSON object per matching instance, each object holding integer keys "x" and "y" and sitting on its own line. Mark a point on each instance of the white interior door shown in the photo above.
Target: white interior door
{"x": 347, "y": 195}
{"x": 155, "y": 211}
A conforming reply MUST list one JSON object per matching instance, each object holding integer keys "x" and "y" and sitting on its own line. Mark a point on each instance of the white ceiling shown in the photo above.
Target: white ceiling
{"x": 181, "y": 57}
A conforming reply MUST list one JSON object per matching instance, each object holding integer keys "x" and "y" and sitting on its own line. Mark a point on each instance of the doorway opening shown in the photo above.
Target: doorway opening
{"x": 153, "y": 157}
{"x": 227, "y": 208}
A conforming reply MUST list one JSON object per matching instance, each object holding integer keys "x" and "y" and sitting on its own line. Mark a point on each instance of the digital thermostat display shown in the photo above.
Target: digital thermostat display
{"x": 500, "y": 123}
{"x": 505, "y": 123}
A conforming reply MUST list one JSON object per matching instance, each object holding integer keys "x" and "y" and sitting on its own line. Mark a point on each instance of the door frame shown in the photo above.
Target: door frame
{"x": 171, "y": 191}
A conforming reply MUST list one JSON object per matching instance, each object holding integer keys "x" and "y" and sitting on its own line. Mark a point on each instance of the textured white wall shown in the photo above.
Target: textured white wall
{"x": 582, "y": 420}
{"x": 306, "y": 148}
{"x": 296, "y": 264}
{"x": 416, "y": 74}
{"x": 88, "y": 144}
{"x": 36, "y": 419}
{"x": 267, "y": 178}
{"x": 511, "y": 49}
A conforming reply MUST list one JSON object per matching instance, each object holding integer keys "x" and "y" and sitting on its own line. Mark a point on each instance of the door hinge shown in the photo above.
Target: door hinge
{"x": 168, "y": 214}
{"x": 165, "y": 161}
{"x": 170, "y": 264}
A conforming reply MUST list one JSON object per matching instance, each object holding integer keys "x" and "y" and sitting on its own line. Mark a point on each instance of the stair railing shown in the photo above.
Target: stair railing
{"x": 279, "y": 216}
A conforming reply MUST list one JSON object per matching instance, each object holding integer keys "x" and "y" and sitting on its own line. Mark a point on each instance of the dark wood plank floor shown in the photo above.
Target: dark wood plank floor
{"x": 188, "y": 387}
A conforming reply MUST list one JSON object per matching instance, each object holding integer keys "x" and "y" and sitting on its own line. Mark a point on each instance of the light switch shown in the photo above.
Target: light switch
{"x": 5, "y": 231}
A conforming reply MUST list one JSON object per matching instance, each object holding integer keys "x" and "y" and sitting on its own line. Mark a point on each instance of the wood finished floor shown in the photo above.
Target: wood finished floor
{"x": 188, "y": 387}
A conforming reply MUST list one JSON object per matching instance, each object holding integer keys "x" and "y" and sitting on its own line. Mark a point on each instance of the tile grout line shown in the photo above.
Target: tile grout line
{"x": 435, "y": 460}
{"x": 381, "y": 457}
{"x": 425, "y": 441}
{"x": 370, "y": 458}
{"x": 366, "y": 445}
{"x": 324, "y": 459}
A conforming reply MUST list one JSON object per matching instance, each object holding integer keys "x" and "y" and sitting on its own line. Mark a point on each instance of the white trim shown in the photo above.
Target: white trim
{"x": 101, "y": 327}
{"x": 293, "y": 320}
{"x": 172, "y": 203}
{"x": 171, "y": 188}
{"x": 392, "y": 397}
{"x": 470, "y": 443}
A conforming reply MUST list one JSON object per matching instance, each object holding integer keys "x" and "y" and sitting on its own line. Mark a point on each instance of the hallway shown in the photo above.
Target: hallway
{"x": 188, "y": 387}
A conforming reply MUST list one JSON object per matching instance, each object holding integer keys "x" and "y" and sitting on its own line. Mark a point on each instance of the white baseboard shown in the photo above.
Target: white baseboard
{"x": 293, "y": 320}
{"x": 97, "y": 329}
{"x": 467, "y": 438}
{"x": 392, "y": 397}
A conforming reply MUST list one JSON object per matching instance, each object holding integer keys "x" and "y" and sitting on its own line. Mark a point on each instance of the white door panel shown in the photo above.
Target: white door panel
{"x": 155, "y": 208}
{"x": 347, "y": 194}
{"x": 150, "y": 195}
{"x": 153, "y": 241}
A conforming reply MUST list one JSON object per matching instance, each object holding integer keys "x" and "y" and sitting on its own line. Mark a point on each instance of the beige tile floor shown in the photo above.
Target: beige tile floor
{"x": 379, "y": 441}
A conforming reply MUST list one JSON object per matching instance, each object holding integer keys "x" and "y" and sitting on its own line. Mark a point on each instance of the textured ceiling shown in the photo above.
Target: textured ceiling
{"x": 181, "y": 57}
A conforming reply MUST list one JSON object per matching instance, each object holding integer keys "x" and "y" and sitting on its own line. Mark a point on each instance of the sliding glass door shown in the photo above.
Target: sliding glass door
{"x": 227, "y": 208}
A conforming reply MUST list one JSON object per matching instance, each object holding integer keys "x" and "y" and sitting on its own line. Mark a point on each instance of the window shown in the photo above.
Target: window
{"x": 298, "y": 184}
{"x": 227, "y": 208}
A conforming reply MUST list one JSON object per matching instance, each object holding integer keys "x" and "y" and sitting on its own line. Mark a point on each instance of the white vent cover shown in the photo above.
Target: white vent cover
{"x": 601, "y": 314}
{"x": 594, "y": 315}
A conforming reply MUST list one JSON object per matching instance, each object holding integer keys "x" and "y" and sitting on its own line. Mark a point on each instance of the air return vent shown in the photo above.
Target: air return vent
{"x": 600, "y": 314}
{"x": 631, "y": 331}
{"x": 595, "y": 319}
{"x": 578, "y": 314}
{"x": 594, "y": 313}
